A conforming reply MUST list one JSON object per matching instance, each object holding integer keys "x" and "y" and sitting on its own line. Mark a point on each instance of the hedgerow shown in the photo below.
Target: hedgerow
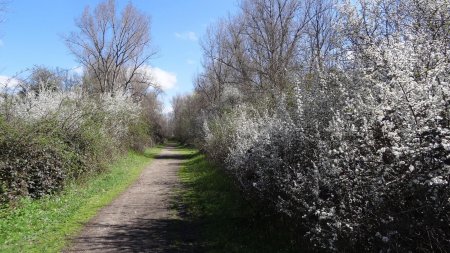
{"x": 351, "y": 150}
{"x": 53, "y": 137}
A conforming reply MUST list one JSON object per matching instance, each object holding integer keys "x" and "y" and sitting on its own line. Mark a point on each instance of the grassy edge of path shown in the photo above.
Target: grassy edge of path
{"x": 225, "y": 220}
{"x": 46, "y": 225}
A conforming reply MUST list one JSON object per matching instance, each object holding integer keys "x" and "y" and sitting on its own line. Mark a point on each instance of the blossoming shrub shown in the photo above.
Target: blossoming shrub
{"x": 388, "y": 150}
{"x": 119, "y": 111}
{"x": 357, "y": 157}
{"x": 55, "y": 136}
{"x": 218, "y": 136}
{"x": 346, "y": 191}
{"x": 374, "y": 175}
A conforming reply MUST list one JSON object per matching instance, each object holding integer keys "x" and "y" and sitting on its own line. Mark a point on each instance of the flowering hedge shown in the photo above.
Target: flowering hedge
{"x": 355, "y": 156}
{"x": 51, "y": 137}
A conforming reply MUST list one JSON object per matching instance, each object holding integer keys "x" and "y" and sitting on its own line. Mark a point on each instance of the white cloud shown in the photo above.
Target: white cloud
{"x": 187, "y": 36}
{"x": 164, "y": 79}
{"x": 8, "y": 83}
{"x": 190, "y": 62}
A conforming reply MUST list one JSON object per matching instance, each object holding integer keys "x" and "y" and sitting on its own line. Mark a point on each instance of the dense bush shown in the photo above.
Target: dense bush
{"x": 344, "y": 191}
{"x": 54, "y": 136}
{"x": 34, "y": 162}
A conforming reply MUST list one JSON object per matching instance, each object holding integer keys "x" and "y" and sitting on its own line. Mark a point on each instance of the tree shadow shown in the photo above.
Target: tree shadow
{"x": 144, "y": 235}
{"x": 181, "y": 157}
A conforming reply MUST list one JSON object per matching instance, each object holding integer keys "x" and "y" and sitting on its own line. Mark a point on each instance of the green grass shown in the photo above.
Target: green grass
{"x": 46, "y": 225}
{"x": 227, "y": 223}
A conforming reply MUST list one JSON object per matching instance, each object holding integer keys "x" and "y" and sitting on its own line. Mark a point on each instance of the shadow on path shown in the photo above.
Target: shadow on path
{"x": 181, "y": 157}
{"x": 144, "y": 235}
{"x": 175, "y": 156}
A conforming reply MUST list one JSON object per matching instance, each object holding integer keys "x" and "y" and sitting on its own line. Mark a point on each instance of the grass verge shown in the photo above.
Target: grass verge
{"x": 227, "y": 223}
{"x": 45, "y": 225}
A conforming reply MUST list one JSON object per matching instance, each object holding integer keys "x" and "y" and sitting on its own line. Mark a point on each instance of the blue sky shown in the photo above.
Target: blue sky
{"x": 32, "y": 35}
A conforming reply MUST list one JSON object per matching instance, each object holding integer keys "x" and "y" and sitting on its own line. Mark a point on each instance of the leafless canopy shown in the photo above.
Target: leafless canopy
{"x": 112, "y": 48}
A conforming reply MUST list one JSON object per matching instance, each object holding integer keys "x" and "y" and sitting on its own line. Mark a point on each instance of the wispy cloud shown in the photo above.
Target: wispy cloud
{"x": 190, "y": 62}
{"x": 164, "y": 79}
{"x": 191, "y": 36}
{"x": 2, "y": 43}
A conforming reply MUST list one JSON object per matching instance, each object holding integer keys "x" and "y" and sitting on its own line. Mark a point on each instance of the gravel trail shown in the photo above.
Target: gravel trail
{"x": 142, "y": 218}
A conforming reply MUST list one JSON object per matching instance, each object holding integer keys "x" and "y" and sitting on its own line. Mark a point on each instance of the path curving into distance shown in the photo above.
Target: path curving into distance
{"x": 142, "y": 218}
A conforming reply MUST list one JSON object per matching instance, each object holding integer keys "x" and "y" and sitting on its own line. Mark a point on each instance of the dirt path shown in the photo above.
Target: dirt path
{"x": 141, "y": 219}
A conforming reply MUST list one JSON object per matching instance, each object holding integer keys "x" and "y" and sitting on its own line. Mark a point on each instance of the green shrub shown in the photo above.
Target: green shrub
{"x": 93, "y": 145}
{"x": 34, "y": 161}
{"x": 139, "y": 135}
{"x": 38, "y": 158}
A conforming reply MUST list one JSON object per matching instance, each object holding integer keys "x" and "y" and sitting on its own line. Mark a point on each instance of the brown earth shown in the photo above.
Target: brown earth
{"x": 143, "y": 218}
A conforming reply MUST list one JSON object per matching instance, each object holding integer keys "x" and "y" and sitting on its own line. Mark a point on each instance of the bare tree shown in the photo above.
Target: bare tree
{"x": 216, "y": 63}
{"x": 255, "y": 51}
{"x": 273, "y": 30}
{"x": 112, "y": 48}
{"x": 322, "y": 37}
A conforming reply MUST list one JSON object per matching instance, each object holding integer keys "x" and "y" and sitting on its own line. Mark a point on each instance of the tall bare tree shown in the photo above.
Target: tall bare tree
{"x": 322, "y": 37}
{"x": 112, "y": 48}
